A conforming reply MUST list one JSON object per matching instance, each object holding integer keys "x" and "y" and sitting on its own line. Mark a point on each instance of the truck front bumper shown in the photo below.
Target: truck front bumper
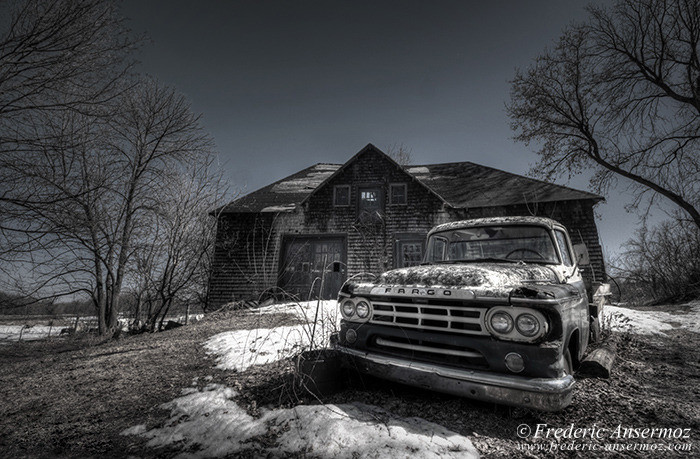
{"x": 539, "y": 393}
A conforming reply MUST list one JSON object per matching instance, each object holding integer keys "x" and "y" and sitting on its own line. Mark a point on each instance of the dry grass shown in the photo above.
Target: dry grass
{"x": 72, "y": 397}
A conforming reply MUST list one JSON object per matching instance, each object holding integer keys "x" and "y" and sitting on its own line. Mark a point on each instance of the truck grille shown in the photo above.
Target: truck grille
{"x": 455, "y": 319}
{"x": 429, "y": 351}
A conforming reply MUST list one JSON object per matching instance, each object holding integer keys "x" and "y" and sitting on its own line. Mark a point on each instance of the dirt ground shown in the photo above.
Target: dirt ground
{"x": 73, "y": 397}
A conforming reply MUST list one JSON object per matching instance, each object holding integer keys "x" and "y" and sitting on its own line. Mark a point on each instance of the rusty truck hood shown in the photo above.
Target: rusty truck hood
{"x": 470, "y": 275}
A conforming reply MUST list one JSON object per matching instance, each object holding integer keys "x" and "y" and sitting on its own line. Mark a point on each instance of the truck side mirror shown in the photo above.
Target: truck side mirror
{"x": 581, "y": 253}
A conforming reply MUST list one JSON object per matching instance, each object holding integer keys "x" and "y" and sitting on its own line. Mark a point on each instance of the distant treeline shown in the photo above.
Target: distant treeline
{"x": 11, "y": 304}
{"x": 20, "y": 305}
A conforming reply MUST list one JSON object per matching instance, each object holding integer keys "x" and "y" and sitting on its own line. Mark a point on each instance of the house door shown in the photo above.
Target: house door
{"x": 307, "y": 262}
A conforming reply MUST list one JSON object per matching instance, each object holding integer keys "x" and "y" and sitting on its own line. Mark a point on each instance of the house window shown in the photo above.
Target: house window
{"x": 397, "y": 194}
{"x": 341, "y": 195}
{"x": 370, "y": 200}
{"x": 409, "y": 250}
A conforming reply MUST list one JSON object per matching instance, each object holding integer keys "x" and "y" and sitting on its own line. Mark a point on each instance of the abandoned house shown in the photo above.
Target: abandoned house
{"x": 370, "y": 215}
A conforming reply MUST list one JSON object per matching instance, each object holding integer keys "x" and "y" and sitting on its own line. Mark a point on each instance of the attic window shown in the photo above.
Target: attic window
{"x": 341, "y": 195}
{"x": 371, "y": 200}
{"x": 397, "y": 194}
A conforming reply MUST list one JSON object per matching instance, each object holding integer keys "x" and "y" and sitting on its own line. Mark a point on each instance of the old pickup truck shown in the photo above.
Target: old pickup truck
{"x": 498, "y": 311}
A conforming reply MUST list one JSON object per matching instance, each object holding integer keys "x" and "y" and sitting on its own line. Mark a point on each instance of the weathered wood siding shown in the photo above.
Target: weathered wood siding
{"x": 371, "y": 247}
{"x": 243, "y": 254}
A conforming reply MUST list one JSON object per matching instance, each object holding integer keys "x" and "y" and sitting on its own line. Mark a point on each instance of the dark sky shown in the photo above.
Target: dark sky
{"x": 285, "y": 84}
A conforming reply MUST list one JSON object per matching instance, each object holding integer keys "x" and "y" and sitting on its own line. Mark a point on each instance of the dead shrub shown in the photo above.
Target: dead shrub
{"x": 661, "y": 264}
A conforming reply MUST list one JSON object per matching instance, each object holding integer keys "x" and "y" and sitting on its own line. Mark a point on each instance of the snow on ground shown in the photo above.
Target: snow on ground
{"x": 651, "y": 322}
{"x": 306, "y": 310}
{"x": 14, "y": 332}
{"x": 240, "y": 349}
{"x": 11, "y": 333}
{"x": 209, "y": 423}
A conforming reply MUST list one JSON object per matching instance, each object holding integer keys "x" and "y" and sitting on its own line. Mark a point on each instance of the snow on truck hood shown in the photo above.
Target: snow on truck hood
{"x": 472, "y": 275}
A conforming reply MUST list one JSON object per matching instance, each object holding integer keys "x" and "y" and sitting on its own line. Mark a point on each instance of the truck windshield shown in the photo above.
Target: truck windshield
{"x": 492, "y": 243}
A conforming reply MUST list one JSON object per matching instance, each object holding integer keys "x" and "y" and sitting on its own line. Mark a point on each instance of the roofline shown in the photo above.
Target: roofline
{"x": 222, "y": 209}
{"x": 595, "y": 197}
{"x": 367, "y": 147}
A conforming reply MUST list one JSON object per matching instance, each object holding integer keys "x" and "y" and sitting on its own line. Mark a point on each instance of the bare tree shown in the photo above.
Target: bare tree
{"x": 174, "y": 259}
{"x": 96, "y": 164}
{"x": 94, "y": 201}
{"x": 62, "y": 65}
{"x": 58, "y": 55}
{"x": 400, "y": 153}
{"x": 661, "y": 263}
{"x": 620, "y": 94}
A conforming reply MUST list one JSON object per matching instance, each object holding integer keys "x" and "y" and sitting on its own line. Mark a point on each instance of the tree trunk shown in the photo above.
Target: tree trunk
{"x": 101, "y": 310}
{"x": 137, "y": 314}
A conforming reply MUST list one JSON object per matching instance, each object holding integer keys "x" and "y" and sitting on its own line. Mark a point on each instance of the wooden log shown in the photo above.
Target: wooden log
{"x": 598, "y": 363}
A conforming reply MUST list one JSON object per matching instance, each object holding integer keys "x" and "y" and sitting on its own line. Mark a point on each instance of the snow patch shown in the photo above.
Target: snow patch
{"x": 135, "y": 430}
{"x": 35, "y": 332}
{"x": 305, "y": 310}
{"x": 240, "y": 349}
{"x": 282, "y": 208}
{"x": 418, "y": 170}
{"x": 489, "y": 275}
{"x": 327, "y": 167}
{"x": 651, "y": 322}
{"x": 309, "y": 182}
{"x": 211, "y": 424}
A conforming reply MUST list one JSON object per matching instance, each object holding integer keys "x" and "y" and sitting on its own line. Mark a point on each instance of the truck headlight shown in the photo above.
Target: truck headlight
{"x": 502, "y": 322}
{"x": 348, "y": 308}
{"x": 516, "y": 323}
{"x": 527, "y": 325}
{"x": 362, "y": 309}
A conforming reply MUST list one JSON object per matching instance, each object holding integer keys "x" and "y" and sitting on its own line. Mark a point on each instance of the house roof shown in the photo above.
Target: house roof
{"x": 469, "y": 185}
{"x": 284, "y": 194}
{"x": 459, "y": 185}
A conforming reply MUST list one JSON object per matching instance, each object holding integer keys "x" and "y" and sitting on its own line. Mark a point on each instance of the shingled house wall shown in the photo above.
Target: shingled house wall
{"x": 245, "y": 246}
{"x": 371, "y": 247}
{"x": 249, "y": 244}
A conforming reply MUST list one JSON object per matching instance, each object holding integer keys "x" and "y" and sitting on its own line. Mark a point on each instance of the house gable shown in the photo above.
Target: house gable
{"x": 362, "y": 174}
{"x": 370, "y": 169}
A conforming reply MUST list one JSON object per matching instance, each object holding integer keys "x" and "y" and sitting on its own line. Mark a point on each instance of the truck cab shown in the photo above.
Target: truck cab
{"x": 498, "y": 311}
